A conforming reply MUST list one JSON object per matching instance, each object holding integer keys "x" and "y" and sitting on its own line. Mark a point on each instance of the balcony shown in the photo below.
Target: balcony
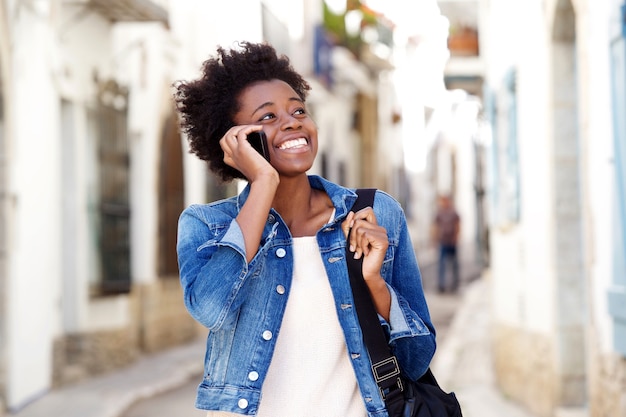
{"x": 130, "y": 10}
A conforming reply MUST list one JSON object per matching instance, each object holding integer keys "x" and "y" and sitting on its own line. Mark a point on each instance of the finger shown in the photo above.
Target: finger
{"x": 229, "y": 139}
{"x": 234, "y": 137}
{"x": 374, "y": 238}
{"x": 354, "y": 233}
{"x": 347, "y": 224}
{"x": 242, "y": 132}
{"x": 357, "y": 221}
{"x": 367, "y": 236}
{"x": 234, "y": 134}
{"x": 241, "y": 137}
{"x": 229, "y": 145}
{"x": 358, "y": 239}
{"x": 225, "y": 146}
{"x": 366, "y": 214}
{"x": 362, "y": 242}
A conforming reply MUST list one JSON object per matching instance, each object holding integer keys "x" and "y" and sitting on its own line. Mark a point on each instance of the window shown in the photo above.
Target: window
{"x": 113, "y": 205}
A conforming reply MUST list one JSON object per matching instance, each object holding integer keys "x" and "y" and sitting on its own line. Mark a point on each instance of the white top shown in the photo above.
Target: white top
{"x": 309, "y": 379}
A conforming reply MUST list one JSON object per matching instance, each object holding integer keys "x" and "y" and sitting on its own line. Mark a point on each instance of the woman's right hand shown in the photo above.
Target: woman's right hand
{"x": 263, "y": 180}
{"x": 239, "y": 154}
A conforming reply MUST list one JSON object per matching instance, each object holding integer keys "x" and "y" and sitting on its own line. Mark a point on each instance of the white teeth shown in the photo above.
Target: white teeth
{"x": 293, "y": 143}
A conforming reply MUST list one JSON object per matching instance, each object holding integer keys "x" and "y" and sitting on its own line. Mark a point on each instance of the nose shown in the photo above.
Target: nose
{"x": 290, "y": 122}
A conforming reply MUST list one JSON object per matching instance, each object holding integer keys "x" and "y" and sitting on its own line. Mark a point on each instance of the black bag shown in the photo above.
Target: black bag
{"x": 403, "y": 397}
{"x": 424, "y": 398}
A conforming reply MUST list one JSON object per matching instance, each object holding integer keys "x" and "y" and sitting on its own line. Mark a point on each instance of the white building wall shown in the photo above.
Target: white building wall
{"x": 535, "y": 251}
{"x": 526, "y": 294}
{"x": 82, "y": 49}
{"x": 52, "y": 257}
{"x": 521, "y": 252}
{"x": 598, "y": 163}
{"x": 390, "y": 138}
{"x": 34, "y": 253}
{"x": 86, "y": 49}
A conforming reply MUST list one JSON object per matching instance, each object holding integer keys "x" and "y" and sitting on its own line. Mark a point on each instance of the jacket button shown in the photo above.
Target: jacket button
{"x": 267, "y": 335}
{"x": 253, "y": 376}
{"x": 280, "y": 289}
{"x": 271, "y": 218}
{"x": 280, "y": 252}
{"x": 242, "y": 403}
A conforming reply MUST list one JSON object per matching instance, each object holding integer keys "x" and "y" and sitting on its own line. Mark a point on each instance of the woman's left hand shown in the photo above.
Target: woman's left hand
{"x": 367, "y": 240}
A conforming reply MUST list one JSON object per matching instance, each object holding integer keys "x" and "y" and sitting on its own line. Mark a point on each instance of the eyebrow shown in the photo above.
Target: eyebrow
{"x": 269, "y": 103}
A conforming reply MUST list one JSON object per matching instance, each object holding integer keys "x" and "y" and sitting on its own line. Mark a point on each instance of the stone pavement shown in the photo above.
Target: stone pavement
{"x": 462, "y": 364}
{"x": 111, "y": 394}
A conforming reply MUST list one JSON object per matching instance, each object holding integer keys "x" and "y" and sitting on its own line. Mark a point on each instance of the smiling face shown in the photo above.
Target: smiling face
{"x": 291, "y": 133}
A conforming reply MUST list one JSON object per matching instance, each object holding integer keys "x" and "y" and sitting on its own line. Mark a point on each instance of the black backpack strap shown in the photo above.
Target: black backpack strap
{"x": 365, "y": 198}
{"x": 385, "y": 366}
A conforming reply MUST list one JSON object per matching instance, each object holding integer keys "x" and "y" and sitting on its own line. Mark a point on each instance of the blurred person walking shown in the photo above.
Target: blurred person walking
{"x": 446, "y": 227}
{"x": 265, "y": 271}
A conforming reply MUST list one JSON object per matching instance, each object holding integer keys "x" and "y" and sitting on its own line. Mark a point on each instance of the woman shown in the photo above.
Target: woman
{"x": 265, "y": 271}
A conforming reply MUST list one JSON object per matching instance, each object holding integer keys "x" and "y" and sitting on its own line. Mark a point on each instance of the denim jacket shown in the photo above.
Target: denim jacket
{"x": 242, "y": 304}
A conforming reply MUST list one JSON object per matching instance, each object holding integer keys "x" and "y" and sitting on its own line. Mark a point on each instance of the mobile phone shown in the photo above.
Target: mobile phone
{"x": 258, "y": 140}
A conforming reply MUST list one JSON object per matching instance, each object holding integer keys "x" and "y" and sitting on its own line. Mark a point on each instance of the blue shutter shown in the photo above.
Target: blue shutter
{"x": 493, "y": 169}
{"x": 512, "y": 151}
{"x": 617, "y": 293}
{"x": 504, "y": 178}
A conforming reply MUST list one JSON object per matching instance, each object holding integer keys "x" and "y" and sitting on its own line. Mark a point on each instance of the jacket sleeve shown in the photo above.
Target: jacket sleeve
{"x": 410, "y": 329}
{"x": 212, "y": 265}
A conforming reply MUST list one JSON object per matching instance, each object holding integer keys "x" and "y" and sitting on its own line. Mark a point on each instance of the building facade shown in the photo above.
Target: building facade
{"x": 554, "y": 97}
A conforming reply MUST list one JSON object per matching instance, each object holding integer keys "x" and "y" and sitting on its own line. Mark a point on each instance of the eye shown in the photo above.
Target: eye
{"x": 267, "y": 116}
{"x": 299, "y": 111}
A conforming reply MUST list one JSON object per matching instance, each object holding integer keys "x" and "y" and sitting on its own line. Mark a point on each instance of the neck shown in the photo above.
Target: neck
{"x": 293, "y": 195}
{"x": 303, "y": 208}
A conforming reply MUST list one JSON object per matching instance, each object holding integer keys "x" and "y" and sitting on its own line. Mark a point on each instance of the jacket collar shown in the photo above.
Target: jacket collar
{"x": 342, "y": 198}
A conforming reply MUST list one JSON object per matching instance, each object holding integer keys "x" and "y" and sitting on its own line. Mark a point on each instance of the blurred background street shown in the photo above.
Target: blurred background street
{"x": 513, "y": 110}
